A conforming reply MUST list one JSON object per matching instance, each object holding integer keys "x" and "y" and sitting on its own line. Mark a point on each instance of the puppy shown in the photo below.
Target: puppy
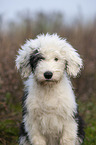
{"x": 50, "y": 115}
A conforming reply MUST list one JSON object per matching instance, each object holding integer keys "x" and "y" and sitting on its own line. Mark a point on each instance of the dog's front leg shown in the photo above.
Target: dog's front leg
{"x": 69, "y": 134}
{"x": 36, "y": 138}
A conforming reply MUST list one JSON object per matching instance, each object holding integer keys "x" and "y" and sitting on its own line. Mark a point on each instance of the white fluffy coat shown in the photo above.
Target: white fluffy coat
{"x": 50, "y": 104}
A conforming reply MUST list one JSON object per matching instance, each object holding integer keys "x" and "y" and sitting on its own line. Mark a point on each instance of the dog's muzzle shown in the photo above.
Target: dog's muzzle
{"x": 48, "y": 75}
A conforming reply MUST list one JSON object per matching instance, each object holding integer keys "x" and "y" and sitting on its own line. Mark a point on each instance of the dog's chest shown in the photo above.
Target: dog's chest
{"x": 50, "y": 123}
{"x": 49, "y": 118}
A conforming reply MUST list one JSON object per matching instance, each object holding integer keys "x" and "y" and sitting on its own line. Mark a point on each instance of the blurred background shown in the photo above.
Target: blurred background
{"x": 74, "y": 20}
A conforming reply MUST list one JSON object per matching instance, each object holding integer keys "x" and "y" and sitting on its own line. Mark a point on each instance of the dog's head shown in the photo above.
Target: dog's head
{"x": 48, "y": 57}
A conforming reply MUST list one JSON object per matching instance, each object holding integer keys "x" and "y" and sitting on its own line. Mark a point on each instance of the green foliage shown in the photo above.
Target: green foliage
{"x": 11, "y": 105}
{"x": 10, "y": 121}
{"x": 88, "y": 109}
{"x": 9, "y": 132}
{"x": 90, "y": 138}
{"x": 8, "y": 98}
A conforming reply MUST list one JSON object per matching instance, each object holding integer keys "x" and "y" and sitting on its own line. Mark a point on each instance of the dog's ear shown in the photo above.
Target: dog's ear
{"x": 73, "y": 62}
{"x": 23, "y": 57}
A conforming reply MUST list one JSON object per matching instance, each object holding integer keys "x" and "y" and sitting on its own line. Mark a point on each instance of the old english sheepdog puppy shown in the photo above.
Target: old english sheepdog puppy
{"x": 50, "y": 115}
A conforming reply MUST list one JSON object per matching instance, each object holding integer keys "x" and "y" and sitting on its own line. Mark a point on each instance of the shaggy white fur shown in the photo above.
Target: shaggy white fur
{"x": 50, "y": 103}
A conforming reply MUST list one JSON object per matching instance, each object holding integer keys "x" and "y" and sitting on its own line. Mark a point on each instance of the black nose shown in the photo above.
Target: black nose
{"x": 48, "y": 75}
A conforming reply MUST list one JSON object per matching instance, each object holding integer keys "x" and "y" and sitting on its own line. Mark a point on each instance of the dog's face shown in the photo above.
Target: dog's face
{"x": 48, "y": 57}
{"x": 47, "y": 65}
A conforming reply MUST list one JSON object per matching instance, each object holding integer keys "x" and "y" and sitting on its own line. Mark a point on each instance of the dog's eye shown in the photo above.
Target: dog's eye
{"x": 56, "y": 59}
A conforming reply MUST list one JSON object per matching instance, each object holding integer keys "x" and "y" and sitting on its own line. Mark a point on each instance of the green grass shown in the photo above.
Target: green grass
{"x": 8, "y": 132}
{"x": 9, "y": 120}
{"x": 88, "y": 110}
{"x": 9, "y": 125}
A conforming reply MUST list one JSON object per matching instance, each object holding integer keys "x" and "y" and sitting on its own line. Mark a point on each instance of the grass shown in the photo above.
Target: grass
{"x": 8, "y": 132}
{"x": 88, "y": 110}
{"x": 9, "y": 126}
{"x": 10, "y": 121}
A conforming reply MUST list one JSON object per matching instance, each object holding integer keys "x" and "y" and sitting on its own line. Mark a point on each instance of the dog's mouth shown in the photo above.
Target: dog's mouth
{"x": 48, "y": 82}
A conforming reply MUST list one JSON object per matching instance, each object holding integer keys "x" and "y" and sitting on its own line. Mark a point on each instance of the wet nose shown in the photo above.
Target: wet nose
{"x": 48, "y": 75}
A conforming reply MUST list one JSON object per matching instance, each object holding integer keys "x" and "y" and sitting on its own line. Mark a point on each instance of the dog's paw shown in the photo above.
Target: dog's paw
{"x": 65, "y": 141}
{"x": 38, "y": 141}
